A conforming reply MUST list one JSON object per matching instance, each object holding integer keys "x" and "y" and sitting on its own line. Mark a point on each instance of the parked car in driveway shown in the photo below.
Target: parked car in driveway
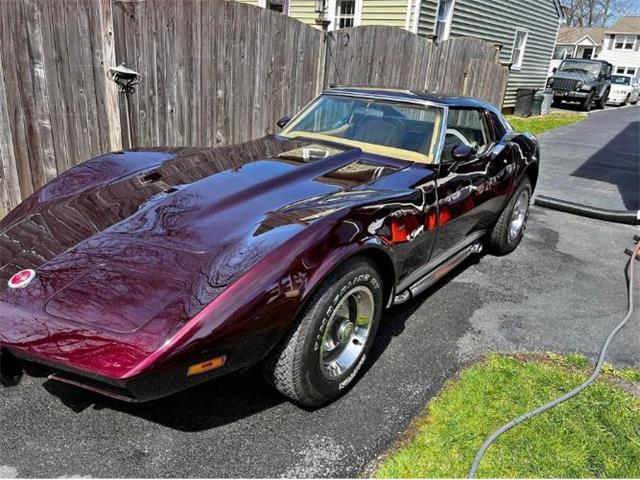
{"x": 584, "y": 81}
{"x": 624, "y": 89}
{"x": 138, "y": 274}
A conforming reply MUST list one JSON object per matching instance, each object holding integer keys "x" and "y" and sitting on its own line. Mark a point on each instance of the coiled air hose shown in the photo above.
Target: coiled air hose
{"x": 629, "y": 217}
{"x": 635, "y": 256}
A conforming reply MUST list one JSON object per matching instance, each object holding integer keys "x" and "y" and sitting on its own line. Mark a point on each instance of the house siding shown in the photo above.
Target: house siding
{"x": 303, "y": 10}
{"x": 384, "y": 12}
{"x": 496, "y": 21}
{"x": 621, "y": 58}
{"x": 427, "y": 20}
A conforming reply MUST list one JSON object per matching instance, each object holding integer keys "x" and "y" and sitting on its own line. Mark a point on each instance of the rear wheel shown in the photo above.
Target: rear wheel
{"x": 508, "y": 231}
{"x": 322, "y": 357}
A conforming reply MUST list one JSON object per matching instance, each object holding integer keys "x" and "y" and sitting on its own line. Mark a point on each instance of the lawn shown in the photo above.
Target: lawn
{"x": 544, "y": 123}
{"x": 596, "y": 434}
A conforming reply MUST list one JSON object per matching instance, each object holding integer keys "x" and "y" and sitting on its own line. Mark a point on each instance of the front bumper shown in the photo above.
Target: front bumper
{"x": 617, "y": 98}
{"x": 570, "y": 95}
{"x": 140, "y": 388}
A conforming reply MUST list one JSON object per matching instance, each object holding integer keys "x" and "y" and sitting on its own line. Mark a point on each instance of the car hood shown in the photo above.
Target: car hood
{"x": 573, "y": 76}
{"x": 621, "y": 88}
{"x": 128, "y": 247}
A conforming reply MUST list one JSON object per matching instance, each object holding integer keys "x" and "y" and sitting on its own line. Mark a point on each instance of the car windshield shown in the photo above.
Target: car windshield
{"x": 620, "y": 80}
{"x": 590, "y": 68}
{"x": 400, "y": 130}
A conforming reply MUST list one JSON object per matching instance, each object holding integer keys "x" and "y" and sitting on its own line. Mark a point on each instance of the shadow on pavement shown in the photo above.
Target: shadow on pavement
{"x": 617, "y": 163}
{"x": 235, "y": 396}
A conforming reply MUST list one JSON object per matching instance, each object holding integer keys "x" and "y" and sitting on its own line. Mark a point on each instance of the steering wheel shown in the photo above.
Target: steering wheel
{"x": 458, "y": 135}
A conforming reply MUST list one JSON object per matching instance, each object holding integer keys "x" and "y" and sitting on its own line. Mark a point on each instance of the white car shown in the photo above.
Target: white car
{"x": 624, "y": 89}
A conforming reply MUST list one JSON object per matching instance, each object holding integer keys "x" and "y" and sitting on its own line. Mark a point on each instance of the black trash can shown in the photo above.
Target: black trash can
{"x": 524, "y": 102}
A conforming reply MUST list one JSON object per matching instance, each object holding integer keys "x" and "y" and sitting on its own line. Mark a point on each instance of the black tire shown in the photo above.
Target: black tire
{"x": 557, "y": 102}
{"x": 602, "y": 102}
{"x": 587, "y": 104}
{"x": 500, "y": 242}
{"x": 295, "y": 368}
{"x": 626, "y": 100}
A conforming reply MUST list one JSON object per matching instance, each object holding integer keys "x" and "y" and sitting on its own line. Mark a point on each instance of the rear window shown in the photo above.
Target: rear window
{"x": 620, "y": 80}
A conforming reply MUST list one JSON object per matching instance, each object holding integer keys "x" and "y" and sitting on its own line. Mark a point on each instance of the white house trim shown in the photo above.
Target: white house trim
{"x": 516, "y": 66}
{"x": 407, "y": 21}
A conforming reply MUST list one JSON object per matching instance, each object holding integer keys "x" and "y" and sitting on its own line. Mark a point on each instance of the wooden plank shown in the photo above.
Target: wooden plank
{"x": 9, "y": 182}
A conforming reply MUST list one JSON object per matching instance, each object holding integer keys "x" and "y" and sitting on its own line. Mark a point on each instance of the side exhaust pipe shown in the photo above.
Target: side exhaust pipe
{"x": 437, "y": 273}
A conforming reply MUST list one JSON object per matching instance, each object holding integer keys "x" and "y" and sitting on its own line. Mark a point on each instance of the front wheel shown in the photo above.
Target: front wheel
{"x": 508, "y": 231}
{"x": 602, "y": 102}
{"x": 322, "y": 357}
{"x": 588, "y": 102}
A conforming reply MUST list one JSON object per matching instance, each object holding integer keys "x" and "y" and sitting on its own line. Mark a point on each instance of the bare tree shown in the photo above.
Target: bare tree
{"x": 598, "y": 13}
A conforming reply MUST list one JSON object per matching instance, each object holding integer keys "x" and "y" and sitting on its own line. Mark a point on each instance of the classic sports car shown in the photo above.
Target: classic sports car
{"x": 137, "y": 274}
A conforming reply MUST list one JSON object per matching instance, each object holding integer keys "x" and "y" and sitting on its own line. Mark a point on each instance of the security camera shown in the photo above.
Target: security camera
{"x": 125, "y": 77}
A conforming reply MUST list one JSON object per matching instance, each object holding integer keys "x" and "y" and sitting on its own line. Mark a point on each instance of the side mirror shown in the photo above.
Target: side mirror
{"x": 462, "y": 153}
{"x": 555, "y": 69}
{"x": 283, "y": 121}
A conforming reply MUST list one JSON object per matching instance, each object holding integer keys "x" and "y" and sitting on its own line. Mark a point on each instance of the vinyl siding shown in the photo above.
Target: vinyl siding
{"x": 303, "y": 10}
{"x": 495, "y": 21}
{"x": 384, "y": 12}
{"x": 621, "y": 58}
{"x": 427, "y": 20}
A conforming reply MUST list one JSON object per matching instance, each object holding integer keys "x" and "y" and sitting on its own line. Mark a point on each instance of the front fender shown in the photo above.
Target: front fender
{"x": 255, "y": 312}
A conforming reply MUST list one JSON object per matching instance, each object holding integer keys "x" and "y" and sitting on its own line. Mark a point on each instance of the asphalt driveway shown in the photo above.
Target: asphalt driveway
{"x": 563, "y": 290}
{"x": 596, "y": 161}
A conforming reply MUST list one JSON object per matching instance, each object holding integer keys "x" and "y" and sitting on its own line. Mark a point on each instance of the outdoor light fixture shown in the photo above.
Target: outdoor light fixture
{"x": 125, "y": 77}
{"x": 319, "y": 6}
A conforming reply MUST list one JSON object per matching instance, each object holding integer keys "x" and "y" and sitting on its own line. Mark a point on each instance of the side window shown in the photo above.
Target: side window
{"x": 465, "y": 126}
{"x": 498, "y": 127}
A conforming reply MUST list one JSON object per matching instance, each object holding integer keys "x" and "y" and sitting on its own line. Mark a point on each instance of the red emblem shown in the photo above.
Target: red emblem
{"x": 22, "y": 278}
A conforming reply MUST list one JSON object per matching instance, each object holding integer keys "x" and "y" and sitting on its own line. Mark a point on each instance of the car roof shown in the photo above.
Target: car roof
{"x": 411, "y": 96}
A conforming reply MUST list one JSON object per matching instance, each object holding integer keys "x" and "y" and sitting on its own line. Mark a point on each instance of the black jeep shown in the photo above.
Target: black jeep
{"x": 583, "y": 81}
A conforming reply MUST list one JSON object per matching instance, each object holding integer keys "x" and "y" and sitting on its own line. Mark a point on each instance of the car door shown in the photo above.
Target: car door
{"x": 471, "y": 193}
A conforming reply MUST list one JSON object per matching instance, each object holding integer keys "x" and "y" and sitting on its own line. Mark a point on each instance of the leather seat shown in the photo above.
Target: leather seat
{"x": 377, "y": 130}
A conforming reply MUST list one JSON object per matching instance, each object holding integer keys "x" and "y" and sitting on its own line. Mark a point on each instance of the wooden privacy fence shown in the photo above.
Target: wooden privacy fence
{"x": 213, "y": 73}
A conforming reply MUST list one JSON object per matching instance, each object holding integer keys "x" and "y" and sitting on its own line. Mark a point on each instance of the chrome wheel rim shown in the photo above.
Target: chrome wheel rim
{"x": 519, "y": 215}
{"x": 347, "y": 332}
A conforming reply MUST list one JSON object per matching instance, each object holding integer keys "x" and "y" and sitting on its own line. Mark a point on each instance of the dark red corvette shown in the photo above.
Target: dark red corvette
{"x": 140, "y": 273}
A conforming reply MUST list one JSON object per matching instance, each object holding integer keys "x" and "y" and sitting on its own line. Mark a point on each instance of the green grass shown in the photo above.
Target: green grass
{"x": 596, "y": 434}
{"x": 544, "y": 123}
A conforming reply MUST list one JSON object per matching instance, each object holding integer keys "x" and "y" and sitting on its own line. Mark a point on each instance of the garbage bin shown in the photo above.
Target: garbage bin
{"x": 547, "y": 102}
{"x": 524, "y": 102}
{"x": 536, "y": 105}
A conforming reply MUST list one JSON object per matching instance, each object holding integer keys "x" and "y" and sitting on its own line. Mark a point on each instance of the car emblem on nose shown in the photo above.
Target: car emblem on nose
{"x": 22, "y": 278}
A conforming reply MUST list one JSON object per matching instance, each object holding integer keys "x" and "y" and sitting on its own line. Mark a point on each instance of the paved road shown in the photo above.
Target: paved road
{"x": 562, "y": 290}
{"x": 595, "y": 162}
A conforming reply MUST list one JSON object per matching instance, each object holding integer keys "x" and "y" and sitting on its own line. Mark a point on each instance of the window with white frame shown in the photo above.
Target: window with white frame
{"x": 624, "y": 42}
{"x": 444, "y": 19}
{"x": 562, "y": 52}
{"x": 519, "y": 45}
{"x": 626, "y": 70}
{"x": 280, "y": 6}
{"x": 345, "y": 15}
